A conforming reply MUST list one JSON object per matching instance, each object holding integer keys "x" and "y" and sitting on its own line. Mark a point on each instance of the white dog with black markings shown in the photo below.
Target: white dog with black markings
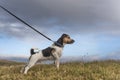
{"x": 53, "y": 52}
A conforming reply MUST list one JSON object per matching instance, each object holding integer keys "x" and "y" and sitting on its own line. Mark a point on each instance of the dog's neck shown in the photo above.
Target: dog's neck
{"x": 58, "y": 44}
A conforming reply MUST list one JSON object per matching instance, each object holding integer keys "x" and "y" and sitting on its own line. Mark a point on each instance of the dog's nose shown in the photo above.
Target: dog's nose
{"x": 73, "y": 41}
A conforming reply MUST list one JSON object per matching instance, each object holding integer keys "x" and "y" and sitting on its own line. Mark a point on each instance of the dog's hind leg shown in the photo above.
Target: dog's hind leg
{"x": 23, "y": 68}
{"x": 34, "y": 58}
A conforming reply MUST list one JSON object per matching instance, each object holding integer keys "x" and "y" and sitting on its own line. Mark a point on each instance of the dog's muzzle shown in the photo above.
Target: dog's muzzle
{"x": 72, "y": 41}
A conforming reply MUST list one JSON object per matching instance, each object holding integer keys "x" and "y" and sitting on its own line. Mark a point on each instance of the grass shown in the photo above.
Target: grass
{"x": 97, "y": 70}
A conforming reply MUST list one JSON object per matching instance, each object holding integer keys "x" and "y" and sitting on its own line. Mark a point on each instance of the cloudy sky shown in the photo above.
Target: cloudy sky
{"x": 94, "y": 24}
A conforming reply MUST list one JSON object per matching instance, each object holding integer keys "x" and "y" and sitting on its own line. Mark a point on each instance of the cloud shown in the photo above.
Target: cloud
{"x": 70, "y": 16}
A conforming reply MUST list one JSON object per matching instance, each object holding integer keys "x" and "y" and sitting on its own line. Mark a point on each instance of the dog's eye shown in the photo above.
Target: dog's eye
{"x": 68, "y": 37}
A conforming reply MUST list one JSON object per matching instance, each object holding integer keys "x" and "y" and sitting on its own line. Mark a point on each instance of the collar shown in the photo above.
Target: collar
{"x": 58, "y": 44}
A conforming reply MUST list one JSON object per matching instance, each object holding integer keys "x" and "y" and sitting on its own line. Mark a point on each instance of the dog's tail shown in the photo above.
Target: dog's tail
{"x": 34, "y": 51}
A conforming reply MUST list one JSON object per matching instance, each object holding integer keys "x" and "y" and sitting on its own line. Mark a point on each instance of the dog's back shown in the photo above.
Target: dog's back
{"x": 48, "y": 52}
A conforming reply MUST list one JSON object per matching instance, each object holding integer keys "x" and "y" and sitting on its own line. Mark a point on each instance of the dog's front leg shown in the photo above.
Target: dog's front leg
{"x": 57, "y": 60}
{"x": 57, "y": 63}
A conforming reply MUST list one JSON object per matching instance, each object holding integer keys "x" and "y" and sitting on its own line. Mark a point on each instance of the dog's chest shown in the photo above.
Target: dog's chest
{"x": 58, "y": 50}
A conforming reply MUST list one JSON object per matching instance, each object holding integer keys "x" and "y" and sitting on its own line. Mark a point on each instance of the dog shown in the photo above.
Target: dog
{"x": 53, "y": 52}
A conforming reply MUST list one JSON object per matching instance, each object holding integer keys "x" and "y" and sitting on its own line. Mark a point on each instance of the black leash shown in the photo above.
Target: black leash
{"x": 26, "y": 23}
{"x": 31, "y": 26}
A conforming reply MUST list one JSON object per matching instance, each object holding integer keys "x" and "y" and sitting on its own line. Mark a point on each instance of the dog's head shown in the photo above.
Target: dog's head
{"x": 65, "y": 39}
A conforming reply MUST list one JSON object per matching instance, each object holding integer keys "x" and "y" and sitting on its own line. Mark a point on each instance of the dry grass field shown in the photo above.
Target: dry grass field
{"x": 97, "y": 70}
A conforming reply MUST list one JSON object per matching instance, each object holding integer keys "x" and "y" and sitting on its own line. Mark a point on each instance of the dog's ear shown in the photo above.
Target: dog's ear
{"x": 64, "y": 35}
{"x": 60, "y": 41}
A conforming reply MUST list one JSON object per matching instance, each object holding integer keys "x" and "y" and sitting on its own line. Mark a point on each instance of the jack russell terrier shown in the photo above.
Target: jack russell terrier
{"x": 53, "y": 52}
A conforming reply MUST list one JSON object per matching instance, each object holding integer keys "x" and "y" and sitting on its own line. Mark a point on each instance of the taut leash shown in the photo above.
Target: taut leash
{"x": 30, "y": 26}
{"x": 25, "y": 23}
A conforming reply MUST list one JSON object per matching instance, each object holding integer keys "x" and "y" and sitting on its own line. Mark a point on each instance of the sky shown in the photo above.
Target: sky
{"x": 93, "y": 24}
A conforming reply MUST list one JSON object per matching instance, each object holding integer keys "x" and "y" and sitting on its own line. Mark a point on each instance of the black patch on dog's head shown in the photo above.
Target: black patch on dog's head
{"x": 60, "y": 40}
{"x": 48, "y": 52}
